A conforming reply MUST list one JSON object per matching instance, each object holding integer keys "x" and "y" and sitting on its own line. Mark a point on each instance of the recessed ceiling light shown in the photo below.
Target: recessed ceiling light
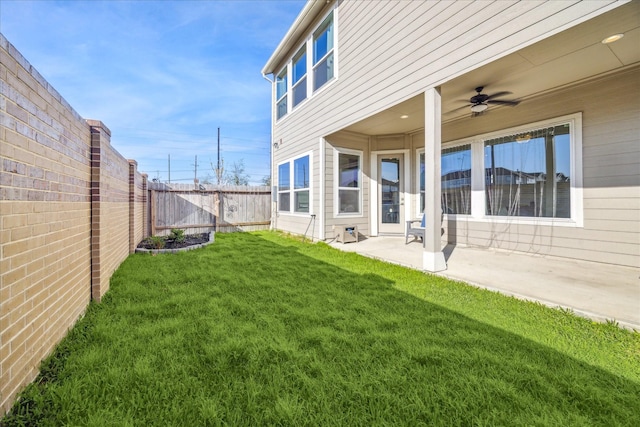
{"x": 404, "y": 116}
{"x": 613, "y": 38}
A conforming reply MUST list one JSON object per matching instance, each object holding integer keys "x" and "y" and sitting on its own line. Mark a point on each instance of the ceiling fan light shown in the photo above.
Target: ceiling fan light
{"x": 479, "y": 108}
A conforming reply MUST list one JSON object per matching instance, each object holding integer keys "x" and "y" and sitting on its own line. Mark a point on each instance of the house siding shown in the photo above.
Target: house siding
{"x": 611, "y": 174}
{"x": 389, "y": 51}
{"x": 352, "y": 142}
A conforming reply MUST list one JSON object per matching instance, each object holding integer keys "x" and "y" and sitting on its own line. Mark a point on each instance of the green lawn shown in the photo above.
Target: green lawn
{"x": 260, "y": 329}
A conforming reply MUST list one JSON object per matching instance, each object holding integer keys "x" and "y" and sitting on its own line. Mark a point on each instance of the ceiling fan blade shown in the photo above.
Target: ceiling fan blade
{"x": 459, "y": 108}
{"x": 498, "y": 94}
{"x": 497, "y": 102}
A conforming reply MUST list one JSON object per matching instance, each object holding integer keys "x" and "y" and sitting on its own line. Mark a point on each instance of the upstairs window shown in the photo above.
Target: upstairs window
{"x": 281, "y": 93}
{"x": 323, "y": 53}
{"x": 312, "y": 67}
{"x": 299, "y": 76}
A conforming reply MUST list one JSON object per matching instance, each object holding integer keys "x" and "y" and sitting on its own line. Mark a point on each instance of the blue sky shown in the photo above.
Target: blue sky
{"x": 162, "y": 75}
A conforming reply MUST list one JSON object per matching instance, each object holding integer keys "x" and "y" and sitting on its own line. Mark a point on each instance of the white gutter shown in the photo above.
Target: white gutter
{"x": 273, "y": 209}
{"x": 300, "y": 26}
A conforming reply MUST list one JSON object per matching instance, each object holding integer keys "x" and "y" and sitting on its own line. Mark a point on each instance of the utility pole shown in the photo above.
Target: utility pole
{"x": 169, "y": 164}
{"x": 218, "y": 168}
{"x": 195, "y": 171}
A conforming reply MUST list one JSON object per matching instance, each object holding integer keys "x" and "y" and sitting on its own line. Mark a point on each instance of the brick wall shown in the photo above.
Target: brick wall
{"x": 67, "y": 217}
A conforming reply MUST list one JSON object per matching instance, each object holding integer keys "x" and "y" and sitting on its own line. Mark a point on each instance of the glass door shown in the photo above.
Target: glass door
{"x": 391, "y": 193}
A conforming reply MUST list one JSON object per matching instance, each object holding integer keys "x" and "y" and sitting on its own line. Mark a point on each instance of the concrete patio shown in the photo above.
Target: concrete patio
{"x": 593, "y": 290}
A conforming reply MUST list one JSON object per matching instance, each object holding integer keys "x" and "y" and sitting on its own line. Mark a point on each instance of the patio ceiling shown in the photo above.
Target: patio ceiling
{"x": 574, "y": 55}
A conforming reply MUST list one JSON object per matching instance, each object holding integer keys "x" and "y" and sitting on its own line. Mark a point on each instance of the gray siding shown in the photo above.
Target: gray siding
{"x": 611, "y": 173}
{"x": 354, "y": 142}
{"x": 390, "y": 51}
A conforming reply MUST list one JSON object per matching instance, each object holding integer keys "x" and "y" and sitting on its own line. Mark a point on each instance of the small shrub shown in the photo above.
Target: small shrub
{"x": 157, "y": 242}
{"x": 177, "y": 235}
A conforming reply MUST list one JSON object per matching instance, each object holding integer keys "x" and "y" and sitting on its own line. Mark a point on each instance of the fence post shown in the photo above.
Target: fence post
{"x": 133, "y": 165}
{"x": 145, "y": 204}
{"x": 153, "y": 212}
{"x": 100, "y": 135}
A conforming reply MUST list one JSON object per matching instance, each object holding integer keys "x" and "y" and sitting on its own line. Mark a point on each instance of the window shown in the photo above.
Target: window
{"x": 301, "y": 184}
{"x": 312, "y": 66}
{"x": 299, "y": 76}
{"x": 323, "y": 53}
{"x": 297, "y": 170}
{"x": 281, "y": 93}
{"x": 528, "y": 174}
{"x": 348, "y": 179}
{"x": 532, "y": 172}
{"x": 455, "y": 180}
{"x": 421, "y": 183}
{"x": 284, "y": 187}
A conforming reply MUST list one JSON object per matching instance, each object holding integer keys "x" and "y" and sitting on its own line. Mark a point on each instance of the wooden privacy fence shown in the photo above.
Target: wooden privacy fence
{"x": 220, "y": 208}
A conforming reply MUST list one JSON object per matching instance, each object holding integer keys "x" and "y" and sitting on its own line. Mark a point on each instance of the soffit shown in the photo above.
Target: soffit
{"x": 300, "y": 28}
{"x": 566, "y": 58}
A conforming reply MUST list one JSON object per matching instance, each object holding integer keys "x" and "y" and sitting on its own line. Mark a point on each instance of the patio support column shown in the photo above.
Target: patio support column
{"x": 433, "y": 257}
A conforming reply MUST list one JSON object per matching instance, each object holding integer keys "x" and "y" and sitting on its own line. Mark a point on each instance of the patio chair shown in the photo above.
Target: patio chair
{"x": 415, "y": 230}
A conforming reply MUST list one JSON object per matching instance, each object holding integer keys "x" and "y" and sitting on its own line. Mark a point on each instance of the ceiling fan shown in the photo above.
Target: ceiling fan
{"x": 480, "y": 102}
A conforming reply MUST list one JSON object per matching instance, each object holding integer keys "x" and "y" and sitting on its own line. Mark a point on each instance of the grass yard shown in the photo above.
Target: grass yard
{"x": 260, "y": 329}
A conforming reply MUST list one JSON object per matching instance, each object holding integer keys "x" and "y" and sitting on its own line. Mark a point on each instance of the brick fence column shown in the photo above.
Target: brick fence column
{"x": 145, "y": 210}
{"x": 100, "y": 135}
{"x": 133, "y": 169}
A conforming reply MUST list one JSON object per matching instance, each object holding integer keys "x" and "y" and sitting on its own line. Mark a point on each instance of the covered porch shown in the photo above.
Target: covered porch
{"x": 557, "y": 79}
{"x": 593, "y": 290}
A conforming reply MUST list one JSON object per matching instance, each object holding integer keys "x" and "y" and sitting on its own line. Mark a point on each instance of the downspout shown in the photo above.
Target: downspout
{"x": 273, "y": 209}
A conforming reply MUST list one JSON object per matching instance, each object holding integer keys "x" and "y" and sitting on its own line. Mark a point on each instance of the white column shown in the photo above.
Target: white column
{"x": 433, "y": 257}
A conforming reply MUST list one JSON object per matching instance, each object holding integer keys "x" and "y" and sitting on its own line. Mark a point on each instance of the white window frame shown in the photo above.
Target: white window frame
{"x": 327, "y": 54}
{"x": 305, "y": 77}
{"x": 478, "y": 199}
{"x": 292, "y": 190}
{"x": 336, "y": 182}
{"x": 284, "y": 97}
{"x": 419, "y": 213}
{"x": 283, "y": 191}
{"x": 308, "y": 45}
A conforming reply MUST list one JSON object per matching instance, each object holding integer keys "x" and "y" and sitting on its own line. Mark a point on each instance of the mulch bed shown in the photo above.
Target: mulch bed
{"x": 189, "y": 240}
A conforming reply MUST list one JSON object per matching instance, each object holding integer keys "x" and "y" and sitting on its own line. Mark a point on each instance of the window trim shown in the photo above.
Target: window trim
{"x": 307, "y": 44}
{"x": 324, "y": 57}
{"x": 292, "y": 190}
{"x": 419, "y": 152}
{"x": 303, "y": 80}
{"x": 336, "y": 181}
{"x": 285, "y": 97}
{"x": 279, "y": 192}
{"x": 478, "y": 201}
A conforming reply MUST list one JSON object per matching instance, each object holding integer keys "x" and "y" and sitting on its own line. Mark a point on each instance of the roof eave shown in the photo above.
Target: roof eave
{"x": 308, "y": 14}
